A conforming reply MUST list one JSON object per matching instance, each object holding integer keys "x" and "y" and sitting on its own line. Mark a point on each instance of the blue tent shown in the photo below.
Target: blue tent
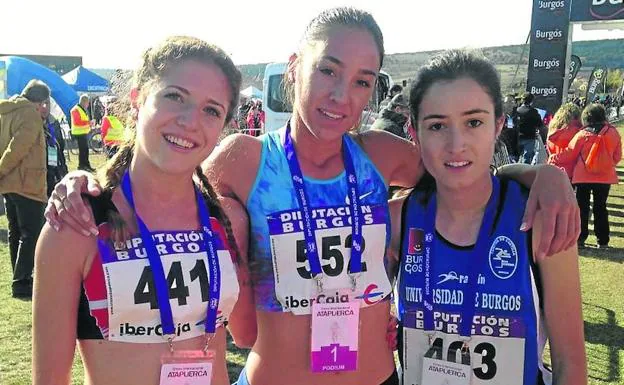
{"x": 83, "y": 80}
{"x": 20, "y": 71}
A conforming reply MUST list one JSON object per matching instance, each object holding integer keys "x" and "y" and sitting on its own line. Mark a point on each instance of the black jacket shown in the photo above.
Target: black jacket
{"x": 527, "y": 121}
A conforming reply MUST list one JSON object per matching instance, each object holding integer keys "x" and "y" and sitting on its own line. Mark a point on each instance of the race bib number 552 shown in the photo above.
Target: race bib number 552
{"x": 294, "y": 286}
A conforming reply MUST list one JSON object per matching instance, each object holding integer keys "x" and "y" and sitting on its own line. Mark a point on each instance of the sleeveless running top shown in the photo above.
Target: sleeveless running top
{"x": 507, "y": 331}
{"x": 118, "y": 299}
{"x": 282, "y": 278}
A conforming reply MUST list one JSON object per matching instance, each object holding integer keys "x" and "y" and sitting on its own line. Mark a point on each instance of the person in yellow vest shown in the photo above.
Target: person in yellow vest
{"x": 112, "y": 134}
{"x": 80, "y": 127}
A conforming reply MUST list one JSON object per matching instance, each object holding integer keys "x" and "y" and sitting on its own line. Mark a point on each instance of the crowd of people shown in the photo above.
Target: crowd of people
{"x": 290, "y": 235}
{"x": 588, "y": 148}
{"x": 250, "y": 118}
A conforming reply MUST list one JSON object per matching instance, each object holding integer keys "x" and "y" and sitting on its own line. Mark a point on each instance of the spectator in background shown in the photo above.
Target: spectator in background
{"x": 241, "y": 117}
{"x": 543, "y": 130}
{"x": 255, "y": 119}
{"x": 394, "y": 91}
{"x": 97, "y": 110}
{"x": 587, "y": 180}
{"x": 55, "y": 147}
{"x": 528, "y": 122}
{"x": 394, "y": 117}
{"x": 509, "y": 134}
{"x": 80, "y": 126}
{"x": 23, "y": 177}
{"x": 112, "y": 132}
{"x": 562, "y": 128}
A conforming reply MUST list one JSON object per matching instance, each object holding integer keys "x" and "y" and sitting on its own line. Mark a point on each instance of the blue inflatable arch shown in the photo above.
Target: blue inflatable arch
{"x": 20, "y": 71}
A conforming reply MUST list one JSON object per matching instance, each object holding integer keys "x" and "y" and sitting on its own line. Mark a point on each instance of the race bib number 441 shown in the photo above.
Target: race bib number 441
{"x": 294, "y": 286}
{"x": 133, "y": 310}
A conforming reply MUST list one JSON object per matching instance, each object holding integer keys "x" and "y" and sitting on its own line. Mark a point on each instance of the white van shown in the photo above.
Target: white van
{"x": 277, "y": 111}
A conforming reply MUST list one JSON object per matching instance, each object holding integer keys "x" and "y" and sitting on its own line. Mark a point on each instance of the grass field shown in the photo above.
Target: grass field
{"x": 602, "y": 273}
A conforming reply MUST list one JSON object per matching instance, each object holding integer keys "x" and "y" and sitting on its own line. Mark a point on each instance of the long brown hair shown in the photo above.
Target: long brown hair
{"x": 156, "y": 61}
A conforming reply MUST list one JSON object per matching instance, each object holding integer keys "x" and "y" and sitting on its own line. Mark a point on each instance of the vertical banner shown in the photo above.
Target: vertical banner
{"x": 548, "y": 48}
{"x": 596, "y": 83}
{"x": 575, "y": 66}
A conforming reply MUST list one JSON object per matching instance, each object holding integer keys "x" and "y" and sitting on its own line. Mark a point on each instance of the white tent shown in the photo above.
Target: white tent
{"x": 251, "y": 92}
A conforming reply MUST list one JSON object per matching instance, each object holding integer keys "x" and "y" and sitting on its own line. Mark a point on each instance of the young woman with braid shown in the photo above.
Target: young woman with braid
{"x": 167, "y": 270}
{"x": 318, "y": 167}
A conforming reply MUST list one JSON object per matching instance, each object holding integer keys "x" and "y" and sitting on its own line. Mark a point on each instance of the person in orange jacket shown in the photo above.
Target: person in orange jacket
{"x": 588, "y": 183}
{"x": 562, "y": 128}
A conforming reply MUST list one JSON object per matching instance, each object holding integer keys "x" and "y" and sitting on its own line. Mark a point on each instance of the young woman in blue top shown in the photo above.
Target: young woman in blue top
{"x": 331, "y": 78}
{"x": 470, "y": 296}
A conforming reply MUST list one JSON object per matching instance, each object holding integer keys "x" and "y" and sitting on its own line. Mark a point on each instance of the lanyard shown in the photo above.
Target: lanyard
{"x": 158, "y": 273}
{"x": 478, "y": 258}
{"x": 52, "y": 135}
{"x": 309, "y": 226}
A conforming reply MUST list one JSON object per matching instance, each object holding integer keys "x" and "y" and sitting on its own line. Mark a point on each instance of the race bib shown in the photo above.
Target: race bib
{"x": 52, "y": 156}
{"x": 132, "y": 305}
{"x": 497, "y": 346}
{"x": 335, "y": 331}
{"x": 294, "y": 287}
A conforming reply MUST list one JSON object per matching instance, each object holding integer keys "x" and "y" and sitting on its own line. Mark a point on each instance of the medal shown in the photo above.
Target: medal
{"x": 335, "y": 326}
{"x": 182, "y": 367}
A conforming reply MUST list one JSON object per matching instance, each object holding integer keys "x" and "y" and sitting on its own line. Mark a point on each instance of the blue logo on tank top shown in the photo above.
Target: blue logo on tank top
{"x": 503, "y": 257}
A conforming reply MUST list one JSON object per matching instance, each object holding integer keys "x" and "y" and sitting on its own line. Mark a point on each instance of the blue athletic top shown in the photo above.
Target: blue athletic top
{"x": 507, "y": 332}
{"x": 276, "y": 231}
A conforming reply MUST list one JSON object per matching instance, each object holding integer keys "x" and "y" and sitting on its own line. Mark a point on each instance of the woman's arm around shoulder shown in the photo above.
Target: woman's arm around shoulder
{"x": 59, "y": 270}
{"x": 563, "y": 313}
{"x": 572, "y": 152}
{"x": 396, "y": 210}
{"x": 233, "y": 165}
{"x": 242, "y": 323}
{"x": 397, "y": 159}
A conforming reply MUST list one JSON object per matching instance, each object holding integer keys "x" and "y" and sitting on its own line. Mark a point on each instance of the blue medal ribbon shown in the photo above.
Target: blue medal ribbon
{"x": 309, "y": 226}
{"x": 52, "y": 138}
{"x": 160, "y": 282}
{"x": 478, "y": 258}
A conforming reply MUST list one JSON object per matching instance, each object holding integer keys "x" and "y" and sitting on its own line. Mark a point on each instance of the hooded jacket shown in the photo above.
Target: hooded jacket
{"x": 558, "y": 141}
{"x": 22, "y": 149}
{"x": 577, "y": 152}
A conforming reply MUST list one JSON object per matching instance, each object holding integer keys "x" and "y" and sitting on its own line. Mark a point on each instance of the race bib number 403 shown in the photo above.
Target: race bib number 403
{"x": 294, "y": 286}
{"x": 501, "y": 351}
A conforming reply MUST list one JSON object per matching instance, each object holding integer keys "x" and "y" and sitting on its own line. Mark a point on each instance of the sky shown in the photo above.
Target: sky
{"x": 113, "y": 33}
